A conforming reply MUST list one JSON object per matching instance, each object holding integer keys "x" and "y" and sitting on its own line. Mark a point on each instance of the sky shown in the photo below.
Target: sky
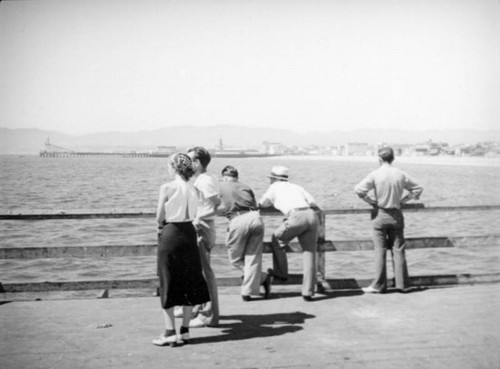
{"x": 119, "y": 65}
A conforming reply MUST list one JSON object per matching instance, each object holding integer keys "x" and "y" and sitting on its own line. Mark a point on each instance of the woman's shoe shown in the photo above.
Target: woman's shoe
{"x": 186, "y": 338}
{"x": 173, "y": 341}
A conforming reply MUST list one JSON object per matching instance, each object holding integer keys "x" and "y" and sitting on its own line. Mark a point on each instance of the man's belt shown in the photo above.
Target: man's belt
{"x": 235, "y": 214}
{"x": 298, "y": 209}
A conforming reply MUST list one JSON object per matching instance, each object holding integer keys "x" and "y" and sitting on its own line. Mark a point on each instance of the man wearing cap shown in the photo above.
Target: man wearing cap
{"x": 301, "y": 221}
{"x": 245, "y": 233}
{"x": 388, "y": 184}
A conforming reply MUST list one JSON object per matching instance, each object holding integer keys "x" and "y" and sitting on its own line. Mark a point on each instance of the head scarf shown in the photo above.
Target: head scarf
{"x": 182, "y": 163}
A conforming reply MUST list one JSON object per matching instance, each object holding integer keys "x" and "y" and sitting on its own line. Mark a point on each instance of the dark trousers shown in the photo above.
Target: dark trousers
{"x": 388, "y": 234}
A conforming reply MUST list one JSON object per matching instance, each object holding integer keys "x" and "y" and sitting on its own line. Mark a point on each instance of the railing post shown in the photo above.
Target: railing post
{"x": 321, "y": 258}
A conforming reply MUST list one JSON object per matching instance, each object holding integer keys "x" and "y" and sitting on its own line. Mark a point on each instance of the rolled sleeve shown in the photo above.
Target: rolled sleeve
{"x": 265, "y": 202}
{"x": 365, "y": 186}
{"x": 267, "y": 199}
{"x": 413, "y": 187}
{"x": 209, "y": 188}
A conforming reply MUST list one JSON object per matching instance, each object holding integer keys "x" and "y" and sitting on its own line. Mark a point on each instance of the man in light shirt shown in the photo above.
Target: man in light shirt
{"x": 388, "y": 185}
{"x": 207, "y": 187}
{"x": 301, "y": 221}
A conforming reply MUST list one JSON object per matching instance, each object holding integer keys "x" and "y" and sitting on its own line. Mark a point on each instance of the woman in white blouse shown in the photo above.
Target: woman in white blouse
{"x": 179, "y": 266}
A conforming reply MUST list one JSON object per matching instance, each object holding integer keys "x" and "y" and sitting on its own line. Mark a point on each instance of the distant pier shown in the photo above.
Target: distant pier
{"x": 72, "y": 154}
{"x": 54, "y": 151}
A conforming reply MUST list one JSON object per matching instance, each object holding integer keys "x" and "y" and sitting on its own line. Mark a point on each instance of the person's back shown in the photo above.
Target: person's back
{"x": 286, "y": 196}
{"x": 182, "y": 200}
{"x": 236, "y": 197}
{"x": 389, "y": 184}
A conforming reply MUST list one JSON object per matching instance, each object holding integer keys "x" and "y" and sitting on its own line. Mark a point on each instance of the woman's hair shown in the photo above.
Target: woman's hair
{"x": 182, "y": 165}
{"x": 201, "y": 154}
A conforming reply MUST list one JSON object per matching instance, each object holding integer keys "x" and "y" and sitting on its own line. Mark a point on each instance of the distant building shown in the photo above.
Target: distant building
{"x": 399, "y": 149}
{"x": 274, "y": 148}
{"x": 430, "y": 148}
{"x": 420, "y": 150}
{"x": 336, "y": 150}
{"x": 358, "y": 148}
{"x": 166, "y": 149}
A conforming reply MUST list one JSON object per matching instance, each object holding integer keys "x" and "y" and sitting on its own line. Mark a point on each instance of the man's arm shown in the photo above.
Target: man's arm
{"x": 310, "y": 199}
{"x": 210, "y": 191}
{"x": 413, "y": 188}
{"x": 368, "y": 200}
{"x": 362, "y": 189}
{"x": 266, "y": 201}
{"x": 215, "y": 200}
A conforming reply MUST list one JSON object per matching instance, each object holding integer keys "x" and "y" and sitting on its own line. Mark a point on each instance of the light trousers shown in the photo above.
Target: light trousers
{"x": 304, "y": 225}
{"x": 244, "y": 243}
{"x": 206, "y": 242}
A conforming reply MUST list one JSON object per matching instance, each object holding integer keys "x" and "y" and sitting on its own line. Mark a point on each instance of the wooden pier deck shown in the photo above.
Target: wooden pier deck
{"x": 455, "y": 327}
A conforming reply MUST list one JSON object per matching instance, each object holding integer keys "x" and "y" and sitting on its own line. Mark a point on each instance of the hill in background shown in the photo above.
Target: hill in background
{"x": 31, "y": 141}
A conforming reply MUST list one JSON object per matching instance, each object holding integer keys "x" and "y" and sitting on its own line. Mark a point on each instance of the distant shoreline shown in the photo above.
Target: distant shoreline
{"x": 427, "y": 160}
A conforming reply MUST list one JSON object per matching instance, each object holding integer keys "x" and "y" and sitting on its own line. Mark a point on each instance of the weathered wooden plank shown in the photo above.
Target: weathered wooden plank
{"x": 98, "y": 285}
{"x": 76, "y": 251}
{"x": 416, "y": 207}
{"x": 101, "y": 251}
{"x": 476, "y": 241}
{"x": 453, "y": 208}
{"x": 466, "y": 278}
{"x": 75, "y": 216}
{"x": 412, "y": 207}
{"x": 411, "y": 243}
{"x": 294, "y": 279}
{"x": 416, "y": 281}
{"x": 150, "y": 250}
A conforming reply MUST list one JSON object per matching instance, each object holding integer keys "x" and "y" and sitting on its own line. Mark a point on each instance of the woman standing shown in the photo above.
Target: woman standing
{"x": 179, "y": 266}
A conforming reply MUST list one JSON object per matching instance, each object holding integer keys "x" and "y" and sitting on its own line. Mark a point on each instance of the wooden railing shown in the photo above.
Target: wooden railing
{"x": 150, "y": 250}
{"x": 417, "y": 207}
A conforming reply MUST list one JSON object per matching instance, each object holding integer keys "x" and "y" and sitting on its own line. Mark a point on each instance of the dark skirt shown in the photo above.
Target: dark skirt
{"x": 179, "y": 267}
